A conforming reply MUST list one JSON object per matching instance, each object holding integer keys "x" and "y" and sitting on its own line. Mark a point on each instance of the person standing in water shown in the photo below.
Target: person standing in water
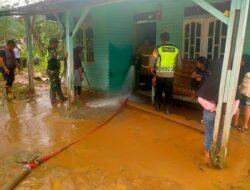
{"x": 78, "y": 71}
{"x": 7, "y": 66}
{"x": 53, "y": 71}
{"x": 208, "y": 96}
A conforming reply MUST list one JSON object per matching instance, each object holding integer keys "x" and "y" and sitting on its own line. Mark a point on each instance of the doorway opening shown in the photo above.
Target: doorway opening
{"x": 144, "y": 43}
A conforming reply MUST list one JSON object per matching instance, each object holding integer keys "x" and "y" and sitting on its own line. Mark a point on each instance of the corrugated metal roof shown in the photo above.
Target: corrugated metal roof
{"x": 9, "y": 4}
{"x": 43, "y": 7}
{"x": 20, "y": 7}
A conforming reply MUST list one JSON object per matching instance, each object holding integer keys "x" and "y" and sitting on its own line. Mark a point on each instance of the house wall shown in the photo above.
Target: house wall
{"x": 120, "y": 38}
{"x": 247, "y": 38}
{"x": 113, "y": 28}
{"x": 120, "y": 44}
{"x": 98, "y": 71}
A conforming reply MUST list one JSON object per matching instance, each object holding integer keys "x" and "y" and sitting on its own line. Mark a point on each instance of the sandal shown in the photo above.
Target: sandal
{"x": 242, "y": 129}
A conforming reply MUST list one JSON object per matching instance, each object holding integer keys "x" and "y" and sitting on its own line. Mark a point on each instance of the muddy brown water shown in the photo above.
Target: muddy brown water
{"x": 135, "y": 151}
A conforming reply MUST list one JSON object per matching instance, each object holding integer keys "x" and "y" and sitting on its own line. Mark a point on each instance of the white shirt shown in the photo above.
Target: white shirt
{"x": 17, "y": 52}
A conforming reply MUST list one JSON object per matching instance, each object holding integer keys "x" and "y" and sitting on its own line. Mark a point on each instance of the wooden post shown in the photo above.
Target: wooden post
{"x": 212, "y": 10}
{"x": 80, "y": 20}
{"x": 214, "y": 160}
{"x": 29, "y": 50}
{"x": 71, "y": 31}
{"x": 229, "y": 75}
{"x": 230, "y": 92}
{"x": 70, "y": 65}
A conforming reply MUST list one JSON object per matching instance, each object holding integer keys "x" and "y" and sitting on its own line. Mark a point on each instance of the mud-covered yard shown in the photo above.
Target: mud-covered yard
{"x": 137, "y": 150}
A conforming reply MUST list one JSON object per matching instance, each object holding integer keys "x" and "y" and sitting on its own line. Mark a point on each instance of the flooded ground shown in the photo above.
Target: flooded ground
{"x": 135, "y": 151}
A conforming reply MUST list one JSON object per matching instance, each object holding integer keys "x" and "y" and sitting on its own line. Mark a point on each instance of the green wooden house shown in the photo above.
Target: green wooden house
{"x": 117, "y": 29}
{"x": 111, "y": 31}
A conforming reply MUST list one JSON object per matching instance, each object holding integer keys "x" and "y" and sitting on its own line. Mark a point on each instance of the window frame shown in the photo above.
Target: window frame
{"x": 83, "y": 39}
{"x": 190, "y": 21}
{"x": 204, "y": 37}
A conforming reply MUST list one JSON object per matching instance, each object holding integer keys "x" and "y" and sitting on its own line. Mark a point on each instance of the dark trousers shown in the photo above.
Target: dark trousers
{"x": 9, "y": 78}
{"x": 78, "y": 90}
{"x": 55, "y": 85}
{"x": 146, "y": 81}
{"x": 164, "y": 85}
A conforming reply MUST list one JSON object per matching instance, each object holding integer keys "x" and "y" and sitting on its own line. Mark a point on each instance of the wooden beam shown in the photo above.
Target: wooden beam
{"x": 29, "y": 50}
{"x": 212, "y": 10}
{"x": 235, "y": 70}
{"x": 227, "y": 53}
{"x": 70, "y": 60}
{"x": 80, "y": 20}
{"x": 231, "y": 75}
{"x": 57, "y": 6}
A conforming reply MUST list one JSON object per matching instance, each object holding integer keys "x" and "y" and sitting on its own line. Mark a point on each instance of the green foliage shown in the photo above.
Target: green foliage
{"x": 11, "y": 28}
{"x": 42, "y": 30}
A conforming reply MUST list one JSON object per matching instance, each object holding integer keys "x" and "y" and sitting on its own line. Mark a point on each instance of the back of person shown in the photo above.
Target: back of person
{"x": 9, "y": 57}
{"x": 7, "y": 66}
{"x": 53, "y": 62}
{"x": 163, "y": 62}
{"x": 166, "y": 60}
{"x": 210, "y": 88}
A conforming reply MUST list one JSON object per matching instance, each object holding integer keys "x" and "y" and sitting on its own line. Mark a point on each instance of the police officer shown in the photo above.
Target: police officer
{"x": 53, "y": 71}
{"x": 8, "y": 65}
{"x": 163, "y": 63}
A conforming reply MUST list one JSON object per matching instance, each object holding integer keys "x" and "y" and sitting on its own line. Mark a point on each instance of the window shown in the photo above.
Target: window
{"x": 217, "y": 33}
{"x": 192, "y": 39}
{"x": 204, "y": 37}
{"x": 86, "y": 38}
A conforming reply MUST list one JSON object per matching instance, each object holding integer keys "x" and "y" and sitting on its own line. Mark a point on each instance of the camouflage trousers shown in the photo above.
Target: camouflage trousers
{"x": 55, "y": 85}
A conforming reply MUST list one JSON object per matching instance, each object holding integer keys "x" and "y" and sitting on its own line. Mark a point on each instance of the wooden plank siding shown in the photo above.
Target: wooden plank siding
{"x": 247, "y": 38}
{"x": 97, "y": 72}
{"x": 121, "y": 46}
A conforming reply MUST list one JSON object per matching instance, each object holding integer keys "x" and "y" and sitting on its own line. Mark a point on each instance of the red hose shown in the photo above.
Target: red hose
{"x": 27, "y": 168}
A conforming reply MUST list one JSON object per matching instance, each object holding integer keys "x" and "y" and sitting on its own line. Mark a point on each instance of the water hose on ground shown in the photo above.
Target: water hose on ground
{"x": 29, "y": 166}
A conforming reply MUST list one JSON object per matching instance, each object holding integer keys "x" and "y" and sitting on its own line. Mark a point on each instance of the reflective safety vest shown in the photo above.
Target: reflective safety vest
{"x": 145, "y": 61}
{"x": 166, "y": 59}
